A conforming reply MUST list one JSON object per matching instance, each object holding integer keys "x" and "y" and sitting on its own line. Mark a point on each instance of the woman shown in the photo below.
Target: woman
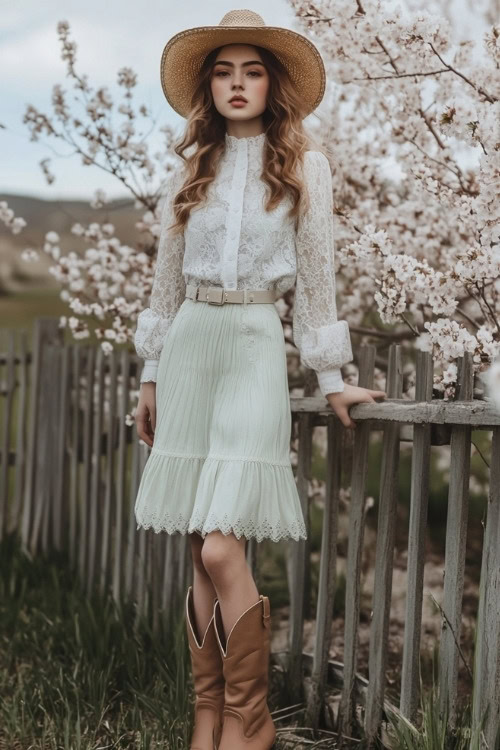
{"x": 214, "y": 392}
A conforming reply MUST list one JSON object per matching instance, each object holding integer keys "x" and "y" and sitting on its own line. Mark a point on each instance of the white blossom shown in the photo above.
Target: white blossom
{"x": 411, "y": 121}
{"x": 14, "y": 223}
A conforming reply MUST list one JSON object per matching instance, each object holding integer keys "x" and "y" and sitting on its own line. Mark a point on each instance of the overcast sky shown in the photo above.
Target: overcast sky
{"x": 109, "y": 36}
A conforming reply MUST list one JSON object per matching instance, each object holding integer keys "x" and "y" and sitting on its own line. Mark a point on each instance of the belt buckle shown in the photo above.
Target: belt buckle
{"x": 215, "y": 295}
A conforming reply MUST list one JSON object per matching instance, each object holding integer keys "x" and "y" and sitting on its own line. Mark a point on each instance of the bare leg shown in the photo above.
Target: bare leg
{"x": 203, "y": 589}
{"x": 223, "y": 557}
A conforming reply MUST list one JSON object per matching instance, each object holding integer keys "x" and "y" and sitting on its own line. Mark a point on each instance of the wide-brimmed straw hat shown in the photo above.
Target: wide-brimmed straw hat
{"x": 185, "y": 52}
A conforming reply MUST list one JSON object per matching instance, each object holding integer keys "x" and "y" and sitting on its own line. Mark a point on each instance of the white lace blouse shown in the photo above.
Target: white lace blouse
{"x": 231, "y": 241}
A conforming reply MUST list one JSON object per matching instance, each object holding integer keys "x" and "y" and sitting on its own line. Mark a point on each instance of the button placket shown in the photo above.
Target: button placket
{"x": 231, "y": 245}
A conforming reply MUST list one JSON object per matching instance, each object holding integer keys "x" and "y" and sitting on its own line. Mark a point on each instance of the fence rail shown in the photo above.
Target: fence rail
{"x": 70, "y": 467}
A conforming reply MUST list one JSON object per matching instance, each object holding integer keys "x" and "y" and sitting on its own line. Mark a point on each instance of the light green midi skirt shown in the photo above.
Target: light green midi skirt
{"x": 221, "y": 452}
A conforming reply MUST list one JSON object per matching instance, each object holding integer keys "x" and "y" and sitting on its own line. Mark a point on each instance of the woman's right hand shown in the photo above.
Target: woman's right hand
{"x": 145, "y": 415}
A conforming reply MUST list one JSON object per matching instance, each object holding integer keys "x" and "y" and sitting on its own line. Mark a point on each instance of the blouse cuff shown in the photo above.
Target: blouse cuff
{"x": 149, "y": 371}
{"x": 330, "y": 381}
{"x": 326, "y": 347}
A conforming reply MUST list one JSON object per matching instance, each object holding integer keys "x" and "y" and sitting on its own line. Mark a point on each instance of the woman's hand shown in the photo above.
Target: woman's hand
{"x": 352, "y": 394}
{"x": 145, "y": 415}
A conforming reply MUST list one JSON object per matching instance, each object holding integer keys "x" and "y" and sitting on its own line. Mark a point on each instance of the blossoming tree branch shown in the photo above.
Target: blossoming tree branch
{"x": 417, "y": 254}
{"x": 423, "y": 251}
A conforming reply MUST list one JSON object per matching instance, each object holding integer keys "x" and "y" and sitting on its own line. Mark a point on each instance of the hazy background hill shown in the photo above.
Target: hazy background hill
{"x": 42, "y": 216}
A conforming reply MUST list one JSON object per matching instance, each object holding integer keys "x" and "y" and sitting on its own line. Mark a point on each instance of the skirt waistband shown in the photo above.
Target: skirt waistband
{"x": 217, "y": 295}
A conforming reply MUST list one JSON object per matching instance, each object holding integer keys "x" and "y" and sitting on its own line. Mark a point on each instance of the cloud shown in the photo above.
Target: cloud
{"x": 34, "y": 59}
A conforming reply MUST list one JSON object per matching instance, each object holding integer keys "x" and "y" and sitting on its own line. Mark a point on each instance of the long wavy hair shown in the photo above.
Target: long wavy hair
{"x": 285, "y": 145}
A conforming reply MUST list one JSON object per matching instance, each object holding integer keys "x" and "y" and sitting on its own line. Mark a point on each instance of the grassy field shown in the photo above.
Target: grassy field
{"x": 84, "y": 673}
{"x": 19, "y": 310}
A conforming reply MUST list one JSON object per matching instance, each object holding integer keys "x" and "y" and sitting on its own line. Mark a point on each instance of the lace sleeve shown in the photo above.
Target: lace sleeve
{"x": 323, "y": 341}
{"x": 168, "y": 290}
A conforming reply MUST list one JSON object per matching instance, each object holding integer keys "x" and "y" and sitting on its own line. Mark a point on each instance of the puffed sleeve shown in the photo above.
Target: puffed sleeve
{"x": 168, "y": 289}
{"x": 323, "y": 342}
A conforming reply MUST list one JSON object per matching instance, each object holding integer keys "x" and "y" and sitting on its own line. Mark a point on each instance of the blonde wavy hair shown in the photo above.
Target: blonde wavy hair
{"x": 286, "y": 142}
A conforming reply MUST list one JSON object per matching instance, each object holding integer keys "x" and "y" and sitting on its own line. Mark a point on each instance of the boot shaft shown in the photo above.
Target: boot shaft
{"x": 206, "y": 662}
{"x": 245, "y": 658}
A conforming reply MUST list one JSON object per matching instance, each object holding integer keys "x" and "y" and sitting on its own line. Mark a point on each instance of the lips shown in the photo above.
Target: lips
{"x": 238, "y": 99}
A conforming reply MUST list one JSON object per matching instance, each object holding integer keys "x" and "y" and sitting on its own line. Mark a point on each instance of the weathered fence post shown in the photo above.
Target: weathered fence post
{"x": 119, "y": 548}
{"x": 327, "y": 573}
{"x": 21, "y": 439}
{"x": 386, "y": 530}
{"x": 95, "y": 501}
{"x": 61, "y": 426}
{"x": 46, "y": 449}
{"x": 140, "y": 577}
{"x": 355, "y": 549}
{"x": 45, "y": 330}
{"x": 420, "y": 469}
{"x": 132, "y": 532}
{"x": 74, "y": 455}
{"x": 109, "y": 501}
{"x": 10, "y": 382}
{"x": 456, "y": 537}
{"x": 85, "y": 494}
{"x": 486, "y": 695}
{"x": 298, "y": 562}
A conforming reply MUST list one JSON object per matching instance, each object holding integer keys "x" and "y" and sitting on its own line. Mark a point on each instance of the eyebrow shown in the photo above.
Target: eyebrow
{"x": 249, "y": 62}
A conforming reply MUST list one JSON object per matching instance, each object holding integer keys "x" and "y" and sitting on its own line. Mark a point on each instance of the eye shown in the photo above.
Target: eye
{"x": 253, "y": 73}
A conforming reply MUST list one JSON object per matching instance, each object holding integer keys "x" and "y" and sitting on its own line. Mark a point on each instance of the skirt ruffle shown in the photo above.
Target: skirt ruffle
{"x": 203, "y": 492}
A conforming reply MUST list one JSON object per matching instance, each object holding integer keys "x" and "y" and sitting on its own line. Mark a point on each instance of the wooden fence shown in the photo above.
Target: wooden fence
{"x": 70, "y": 466}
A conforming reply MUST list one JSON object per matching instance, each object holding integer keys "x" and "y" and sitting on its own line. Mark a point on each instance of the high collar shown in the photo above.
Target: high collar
{"x": 254, "y": 143}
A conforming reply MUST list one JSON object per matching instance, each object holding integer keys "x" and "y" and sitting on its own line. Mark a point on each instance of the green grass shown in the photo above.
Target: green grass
{"x": 85, "y": 673}
{"x": 78, "y": 672}
{"x": 433, "y": 732}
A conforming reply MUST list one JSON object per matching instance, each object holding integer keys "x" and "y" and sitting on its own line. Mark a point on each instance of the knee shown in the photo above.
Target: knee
{"x": 221, "y": 555}
{"x": 196, "y": 548}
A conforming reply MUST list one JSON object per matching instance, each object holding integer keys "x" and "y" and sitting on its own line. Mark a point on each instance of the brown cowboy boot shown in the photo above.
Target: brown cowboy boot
{"x": 208, "y": 680}
{"x": 245, "y": 657}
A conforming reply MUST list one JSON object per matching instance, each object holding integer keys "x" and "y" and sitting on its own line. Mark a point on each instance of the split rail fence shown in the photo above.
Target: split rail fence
{"x": 70, "y": 466}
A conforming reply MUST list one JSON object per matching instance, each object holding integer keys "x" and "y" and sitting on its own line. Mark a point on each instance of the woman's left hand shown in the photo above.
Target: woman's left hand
{"x": 352, "y": 394}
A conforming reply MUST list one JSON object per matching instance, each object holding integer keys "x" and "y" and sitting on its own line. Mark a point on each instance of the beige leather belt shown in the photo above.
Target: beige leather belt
{"x": 216, "y": 295}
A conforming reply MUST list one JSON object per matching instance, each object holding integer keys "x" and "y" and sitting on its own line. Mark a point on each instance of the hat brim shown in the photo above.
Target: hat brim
{"x": 185, "y": 52}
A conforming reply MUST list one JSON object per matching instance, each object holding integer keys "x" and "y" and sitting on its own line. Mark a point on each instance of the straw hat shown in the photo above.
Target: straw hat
{"x": 185, "y": 52}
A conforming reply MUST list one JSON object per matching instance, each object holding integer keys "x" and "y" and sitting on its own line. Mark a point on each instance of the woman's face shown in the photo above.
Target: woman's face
{"x": 239, "y": 70}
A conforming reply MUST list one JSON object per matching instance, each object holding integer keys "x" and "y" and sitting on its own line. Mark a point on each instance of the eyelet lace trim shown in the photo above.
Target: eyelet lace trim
{"x": 240, "y": 527}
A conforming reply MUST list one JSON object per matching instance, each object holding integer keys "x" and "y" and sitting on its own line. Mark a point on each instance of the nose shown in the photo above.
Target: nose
{"x": 237, "y": 81}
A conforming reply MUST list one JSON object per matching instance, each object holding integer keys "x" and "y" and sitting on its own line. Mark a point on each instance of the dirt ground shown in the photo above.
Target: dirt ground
{"x": 431, "y": 618}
